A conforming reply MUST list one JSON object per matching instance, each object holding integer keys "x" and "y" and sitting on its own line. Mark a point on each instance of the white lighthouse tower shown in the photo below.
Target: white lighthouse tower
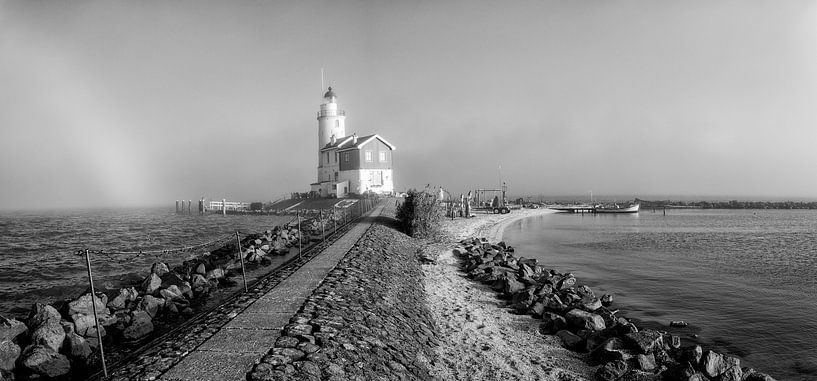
{"x": 331, "y": 121}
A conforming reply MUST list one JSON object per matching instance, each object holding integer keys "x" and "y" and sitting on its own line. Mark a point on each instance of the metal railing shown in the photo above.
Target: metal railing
{"x": 331, "y": 113}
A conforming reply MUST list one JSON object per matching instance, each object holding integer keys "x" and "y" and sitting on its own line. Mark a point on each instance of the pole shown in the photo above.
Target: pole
{"x": 334, "y": 221}
{"x": 241, "y": 256}
{"x": 300, "y": 235}
{"x": 96, "y": 320}
{"x": 323, "y": 226}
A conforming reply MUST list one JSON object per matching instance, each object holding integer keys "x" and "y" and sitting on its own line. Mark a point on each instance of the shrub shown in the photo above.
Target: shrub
{"x": 419, "y": 215}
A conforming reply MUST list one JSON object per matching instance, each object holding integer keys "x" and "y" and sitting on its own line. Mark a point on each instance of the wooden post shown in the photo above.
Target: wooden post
{"x": 300, "y": 235}
{"x": 177, "y": 206}
{"x": 190, "y": 207}
{"x": 96, "y": 319}
{"x": 223, "y": 206}
{"x": 334, "y": 221}
{"x": 241, "y": 256}
{"x": 323, "y": 226}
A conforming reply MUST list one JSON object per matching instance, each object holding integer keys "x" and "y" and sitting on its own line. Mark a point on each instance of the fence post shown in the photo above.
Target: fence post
{"x": 323, "y": 226}
{"x": 96, "y": 320}
{"x": 334, "y": 221}
{"x": 241, "y": 256}
{"x": 300, "y": 235}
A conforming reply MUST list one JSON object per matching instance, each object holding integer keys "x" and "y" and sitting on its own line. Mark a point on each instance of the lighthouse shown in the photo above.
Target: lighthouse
{"x": 349, "y": 164}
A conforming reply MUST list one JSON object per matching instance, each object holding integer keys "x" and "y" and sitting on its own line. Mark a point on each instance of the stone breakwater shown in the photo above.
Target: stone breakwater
{"x": 367, "y": 320}
{"x": 60, "y": 340}
{"x": 585, "y": 323}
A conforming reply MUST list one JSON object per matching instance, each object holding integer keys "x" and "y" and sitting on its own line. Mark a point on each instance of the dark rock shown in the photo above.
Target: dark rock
{"x": 552, "y": 323}
{"x": 646, "y": 362}
{"x": 41, "y": 314}
{"x": 291, "y": 353}
{"x": 590, "y": 304}
{"x": 159, "y": 269}
{"x": 554, "y": 303}
{"x": 216, "y": 273}
{"x": 640, "y": 375}
{"x": 733, "y": 373}
{"x": 675, "y": 342}
{"x": 567, "y": 282}
{"x": 750, "y": 374}
{"x": 612, "y": 349}
{"x": 607, "y": 300}
{"x": 77, "y": 347}
{"x": 141, "y": 324}
{"x": 125, "y": 296}
{"x": 691, "y": 354}
{"x": 9, "y": 352}
{"x": 569, "y": 340}
{"x": 11, "y": 329}
{"x": 646, "y": 341}
{"x": 151, "y": 305}
{"x": 172, "y": 279}
{"x": 201, "y": 269}
{"x": 45, "y": 361}
{"x": 585, "y": 320}
{"x": 308, "y": 347}
{"x": 611, "y": 371}
{"x": 585, "y": 291}
{"x": 297, "y": 329}
{"x": 286, "y": 342}
{"x": 83, "y": 305}
{"x": 172, "y": 293}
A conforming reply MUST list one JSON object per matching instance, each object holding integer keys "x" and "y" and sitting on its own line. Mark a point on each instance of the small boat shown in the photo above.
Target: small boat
{"x": 617, "y": 209}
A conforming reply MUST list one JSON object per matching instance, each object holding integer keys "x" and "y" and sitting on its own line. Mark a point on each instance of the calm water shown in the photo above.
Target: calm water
{"x": 746, "y": 281}
{"x": 37, "y": 260}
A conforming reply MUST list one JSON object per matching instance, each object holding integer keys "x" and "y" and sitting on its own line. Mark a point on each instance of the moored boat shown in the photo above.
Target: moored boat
{"x": 617, "y": 209}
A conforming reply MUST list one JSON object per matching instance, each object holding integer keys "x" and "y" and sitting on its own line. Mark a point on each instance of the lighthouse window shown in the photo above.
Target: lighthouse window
{"x": 337, "y": 123}
{"x": 382, "y": 156}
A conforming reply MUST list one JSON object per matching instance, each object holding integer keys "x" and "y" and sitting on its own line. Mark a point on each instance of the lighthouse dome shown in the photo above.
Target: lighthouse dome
{"x": 330, "y": 95}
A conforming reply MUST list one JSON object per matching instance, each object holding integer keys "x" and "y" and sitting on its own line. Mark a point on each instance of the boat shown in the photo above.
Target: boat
{"x": 617, "y": 209}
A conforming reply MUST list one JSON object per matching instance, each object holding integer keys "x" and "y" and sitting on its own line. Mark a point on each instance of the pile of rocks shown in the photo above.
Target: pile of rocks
{"x": 367, "y": 320}
{"x": 584, "y": 322}
{"x": 57, "y": 339}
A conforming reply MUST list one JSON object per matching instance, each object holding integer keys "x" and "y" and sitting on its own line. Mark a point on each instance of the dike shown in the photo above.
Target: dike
{"x": 367, "y": 320}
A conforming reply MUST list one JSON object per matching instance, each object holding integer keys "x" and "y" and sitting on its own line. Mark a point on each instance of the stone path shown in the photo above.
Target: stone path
{"x": 232, "y": 351}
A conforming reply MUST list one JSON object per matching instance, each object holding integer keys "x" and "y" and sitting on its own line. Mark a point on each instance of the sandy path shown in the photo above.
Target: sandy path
{"x": 481, "y": 340}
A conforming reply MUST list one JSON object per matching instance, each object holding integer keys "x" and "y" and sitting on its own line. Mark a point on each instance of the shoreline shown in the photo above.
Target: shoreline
{"x": 479, "y": 337}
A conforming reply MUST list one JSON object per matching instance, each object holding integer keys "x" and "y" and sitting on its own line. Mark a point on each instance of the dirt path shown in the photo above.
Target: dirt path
{"x": 482, "y": 340}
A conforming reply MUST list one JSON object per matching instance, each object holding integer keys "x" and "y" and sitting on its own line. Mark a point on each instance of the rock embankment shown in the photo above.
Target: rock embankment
{"x": 585, "y": 323}
{"x": 56, "y": 339}
{"x": 367, "y": 320}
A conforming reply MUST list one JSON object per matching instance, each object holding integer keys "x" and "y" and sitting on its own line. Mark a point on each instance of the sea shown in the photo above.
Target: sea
{"x": 744, "y": 280}
{"x": 39, "y": 259}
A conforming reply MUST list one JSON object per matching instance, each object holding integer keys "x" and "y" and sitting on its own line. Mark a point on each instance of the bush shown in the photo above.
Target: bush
{"x": 419, "y": 215}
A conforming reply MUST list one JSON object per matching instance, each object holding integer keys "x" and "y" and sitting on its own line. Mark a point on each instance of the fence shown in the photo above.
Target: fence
{"x": 310, "y": 226}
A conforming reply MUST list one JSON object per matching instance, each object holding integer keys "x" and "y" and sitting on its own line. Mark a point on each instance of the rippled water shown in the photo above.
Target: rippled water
{"x": 746, "y": 281}
{"x": 37, "y": 249}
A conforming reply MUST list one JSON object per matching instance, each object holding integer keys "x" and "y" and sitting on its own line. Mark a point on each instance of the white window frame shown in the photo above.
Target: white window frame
{"x": 382, "y": 156}
{"x": 368, "y": 156}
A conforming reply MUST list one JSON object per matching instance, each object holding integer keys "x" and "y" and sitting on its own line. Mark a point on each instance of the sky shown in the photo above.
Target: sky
{"x": 147, "y": 102}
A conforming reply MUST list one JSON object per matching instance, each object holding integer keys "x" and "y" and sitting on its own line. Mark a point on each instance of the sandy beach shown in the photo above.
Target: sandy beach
{"x": 481, "y": 339}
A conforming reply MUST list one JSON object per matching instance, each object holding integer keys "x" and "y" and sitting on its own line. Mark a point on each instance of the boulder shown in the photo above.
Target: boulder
{"x": 590, "y": 303}
{"x": 611, "y": 371}
{"x": 612, "y": 349}
{"x": 678, "y": 323}
{"x": 151, "y": 283}
{"x": 585, "y": 320}
{"x": 714, "y": 364}
{"x": 607, "y": 300}
{"x": 45, "y": 361}
{"x": 691, "y": 354}
{"x": 171, "y": 279}
{"x": 509, "y": 285}
{"x": 140, "y": 325}
{"x": 750, "y": 374}
{"x": 566, "y": 282}
{"x": 84, "y": 325}
{"x": 198, "y": 281}
{"x": 554, "y": 303}
{"x": 49, "y": 334}
{"x": 216, "y": 273}
{"x": 173, "y": 293}
{"x": 585, "y": 291}
{"x": 646, "y": 362}
{"x": 77, "y": 347}
{"x": 159, "y": 269}
{"x": 552, "y": 323}
{"x": 201, "y": 269}
{"x": 11, "y": 329}
{"x": 9, "y": 352}
{"x": 733, "y": 373}
{"x": 569, "y": 339}
{"x": 121, "y": 300}
{"x": 640, "y": 375}
{"x": 41, "y": 314}
{"x": 84, "y": 305}
{"x": 646, "y": 341}
{"x": 151, "y": 305}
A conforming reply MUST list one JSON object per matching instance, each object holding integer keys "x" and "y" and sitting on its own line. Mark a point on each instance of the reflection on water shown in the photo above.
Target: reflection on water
{"x": 746, "y": 281}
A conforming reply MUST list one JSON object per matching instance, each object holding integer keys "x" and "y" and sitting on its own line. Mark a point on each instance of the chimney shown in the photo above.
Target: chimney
{"x": 354, "y": 138}
{"x": 333, "y": 139}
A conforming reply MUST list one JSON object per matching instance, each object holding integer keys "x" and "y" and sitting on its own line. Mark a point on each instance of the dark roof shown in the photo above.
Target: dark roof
{"x": 330, "y": 93}
{"x": 345, "y": 143}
